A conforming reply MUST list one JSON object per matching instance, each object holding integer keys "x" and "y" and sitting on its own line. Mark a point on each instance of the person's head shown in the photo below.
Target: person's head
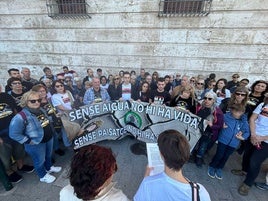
{"x": 142, "y": 72}
{"x": 121, "y": 73}
{"x": 41, "y": 89}
{"x": 212, "y": 76}
{"x": 47, "y": 71}
{"x": 116, "y": 80}
{"x": 14, "y": 83}
{"x": 110, "y": 78}
{"x": 187, "y": 92}
{"x": 126, "y": 77}
{"x": 161, "y": 84}
{"x": 240, "y": 95}
{"x": 47, "y": 82}
{"x": 235, "y": 77}
{"x": 193, "y": 81}
{"x": 90, "y": 72}
{"x": 171, "y": 79}
{"x": 155, "y": 75}
{"x": 221, "y": 83}
{"x": 58, "y": 87}
{"x": 61, "y": 78}
{"x": 78, "y": 81}
{"x": 145, "y": 87}
{"x": 178, "y": 76}
{"x": 212, "y": 84}
{"x": 96, "y": 83}
{"x": 65, "y": 69}
{"x": 26, "y": 73}
{"x": 167, "y": 78}
{"x": 148, "y": 79}
{"x": 209, "y": 99}
{"x": 184, "y": 80}
{"x": 200, "y": 84}
{"x": 87, "y": 85}
{"x": 99, "y": 72}
{"x": 260, "y": 86}
{"x": 68, "y": 81}
{"x": 237, "y": 110}
{"x": 174, "y": 149}
{"x": 244, "y": 82}
{"x": 30, "y": 99}
{"x": 92, "y": 168}
{"x": 132, "y": 72}
{"x": 133, "y": 79}
{"x": 13, "y": 72}
{"x": 103, "y": 80}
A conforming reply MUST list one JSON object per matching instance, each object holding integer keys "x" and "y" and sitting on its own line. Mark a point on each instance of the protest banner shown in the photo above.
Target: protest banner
{"x": 115, "y": 120}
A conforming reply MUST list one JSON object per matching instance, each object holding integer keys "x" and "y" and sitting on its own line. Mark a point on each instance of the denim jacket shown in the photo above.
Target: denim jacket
{"x": 30, "y": 131}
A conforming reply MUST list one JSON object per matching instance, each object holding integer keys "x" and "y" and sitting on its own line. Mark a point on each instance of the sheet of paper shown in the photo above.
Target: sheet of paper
{"x": 154, "y": 158}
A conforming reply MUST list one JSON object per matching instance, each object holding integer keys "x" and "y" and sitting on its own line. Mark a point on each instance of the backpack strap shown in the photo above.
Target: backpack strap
{"x": 195, "y": 191}
{"x": 23, "y": 115}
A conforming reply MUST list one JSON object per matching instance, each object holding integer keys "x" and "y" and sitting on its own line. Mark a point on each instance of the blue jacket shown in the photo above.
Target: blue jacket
{"x": 29, "y": 131}
{"x": 227, "y": 135}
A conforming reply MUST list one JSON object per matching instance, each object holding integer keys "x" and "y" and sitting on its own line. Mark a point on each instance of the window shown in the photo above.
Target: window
{"x": 187, "y": 8}
{"x": 67, "y": 8}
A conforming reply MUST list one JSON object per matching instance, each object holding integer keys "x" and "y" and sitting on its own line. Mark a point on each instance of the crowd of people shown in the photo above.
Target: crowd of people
{"x": 236, "y": 115}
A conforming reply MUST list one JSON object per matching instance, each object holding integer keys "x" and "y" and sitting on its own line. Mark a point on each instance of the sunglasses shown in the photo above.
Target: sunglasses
{"x": 58, "y": 86}
{"x": 206, "y": 98}
{"x": 16, "y": 83}
{"x": 200, "y": 83}
{"x": 239, "y": 94}
{"x": 35, "y": 100}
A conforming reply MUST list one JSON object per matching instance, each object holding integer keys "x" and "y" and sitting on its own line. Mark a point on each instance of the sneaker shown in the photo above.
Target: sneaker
{"x": 54, "y": 169}
{"x": 60, "y": 152}
{"x": 243, "y": 189}
{"x": 48, "y": 178}
{"x": 199, "y": 162}
{"x": 238, "y": 172}
{"x": 262, "y": 186}
{"x": 218, "y": 174}
{"x": 26, "y": 168}
{"x": 15, "y": 177}
{"x": 211, "y": 172}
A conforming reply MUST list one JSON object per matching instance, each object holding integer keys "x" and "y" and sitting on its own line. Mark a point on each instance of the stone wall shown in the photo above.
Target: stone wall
{"x": 128, "y": 34}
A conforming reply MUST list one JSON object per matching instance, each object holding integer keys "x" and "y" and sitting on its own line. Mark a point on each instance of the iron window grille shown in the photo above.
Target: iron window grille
{"x": 184, "y": 8}
{"x": 67, "y": 9}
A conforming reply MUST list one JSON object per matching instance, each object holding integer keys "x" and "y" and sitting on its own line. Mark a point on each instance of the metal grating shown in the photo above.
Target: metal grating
{"x": 67, "y": 9}
{"x": 184, "y": 8}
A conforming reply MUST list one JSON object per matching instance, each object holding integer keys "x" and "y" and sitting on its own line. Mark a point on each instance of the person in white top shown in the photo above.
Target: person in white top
{"x": 92, "y": 170}
{"x": 170, "y": 185}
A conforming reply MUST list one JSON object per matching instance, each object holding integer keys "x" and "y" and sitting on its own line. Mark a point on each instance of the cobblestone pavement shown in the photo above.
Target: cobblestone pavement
{"x": 129, "y": 175}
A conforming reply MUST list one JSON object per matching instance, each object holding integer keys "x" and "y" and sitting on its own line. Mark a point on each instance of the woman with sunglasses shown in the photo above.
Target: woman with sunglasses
{"x": 114, "y": 89}
{"x": 209, "y": 111}
{"x": 61, "y": 99}
{"x": 33, "y": 128}
{"x": 240, "y": 96}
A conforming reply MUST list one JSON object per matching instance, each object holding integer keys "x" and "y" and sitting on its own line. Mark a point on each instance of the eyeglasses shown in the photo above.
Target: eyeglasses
{"x": 240, "y": 94}
{"x": 16, "y": 83}
{"x": 58, "y": 86}
{"x": 35, "y": 100}
{"x": 206, "y": 98}
{"x": 200, "y": 83}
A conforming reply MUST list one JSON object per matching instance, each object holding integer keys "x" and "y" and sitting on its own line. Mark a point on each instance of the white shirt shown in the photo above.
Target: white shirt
{"x": 262, "y": 120}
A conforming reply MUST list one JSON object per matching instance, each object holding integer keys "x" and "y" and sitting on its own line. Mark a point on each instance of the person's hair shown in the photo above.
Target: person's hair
{"x": 257, "y": 82}
{"x": 12, "y": 69}
{"x": 161, "y": 79}
{"x": 211, "y": 94}
{"x": 144, "y": 82}
{"x": 237, "y": 107}
{"x": 53, "y": 89}
{"x": 45, "y": 69}
{"x": 12, "y": 79}
{"x": 126, "y": 73}
{"x": 223, "y": 89}
{"x": 167, "y": 76}
{"x": 65, "y": 67}
{"x": 174, "y": 148}
{"x": 190, "y": 89}
{"x": 212, "y": 76}
{"x": 133, "y": 72}
{"x": 91, "y": 166}
{"x": 37, "y": 87}
{"x": 103, "y": 76}
{"x": 232, "y": 100}
{"x": 99, "y": 70}
{"x": 235, "y": 75}
{"x": 26, "y": 96}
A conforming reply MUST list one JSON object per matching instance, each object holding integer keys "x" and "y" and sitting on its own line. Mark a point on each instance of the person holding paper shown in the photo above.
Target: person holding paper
{"x": 170, "y": 185}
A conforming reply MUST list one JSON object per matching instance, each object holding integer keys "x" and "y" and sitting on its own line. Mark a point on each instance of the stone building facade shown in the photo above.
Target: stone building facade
{"x": 129, "y": 34}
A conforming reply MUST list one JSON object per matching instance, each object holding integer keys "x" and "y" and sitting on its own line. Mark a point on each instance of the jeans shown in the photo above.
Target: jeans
{"x": 222, "y": 154}
{"x": 256, "y": 159}
{"x": 41, "y": 155}
{"x": 204, "y": 143}
{"x": 65, "y": 139}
